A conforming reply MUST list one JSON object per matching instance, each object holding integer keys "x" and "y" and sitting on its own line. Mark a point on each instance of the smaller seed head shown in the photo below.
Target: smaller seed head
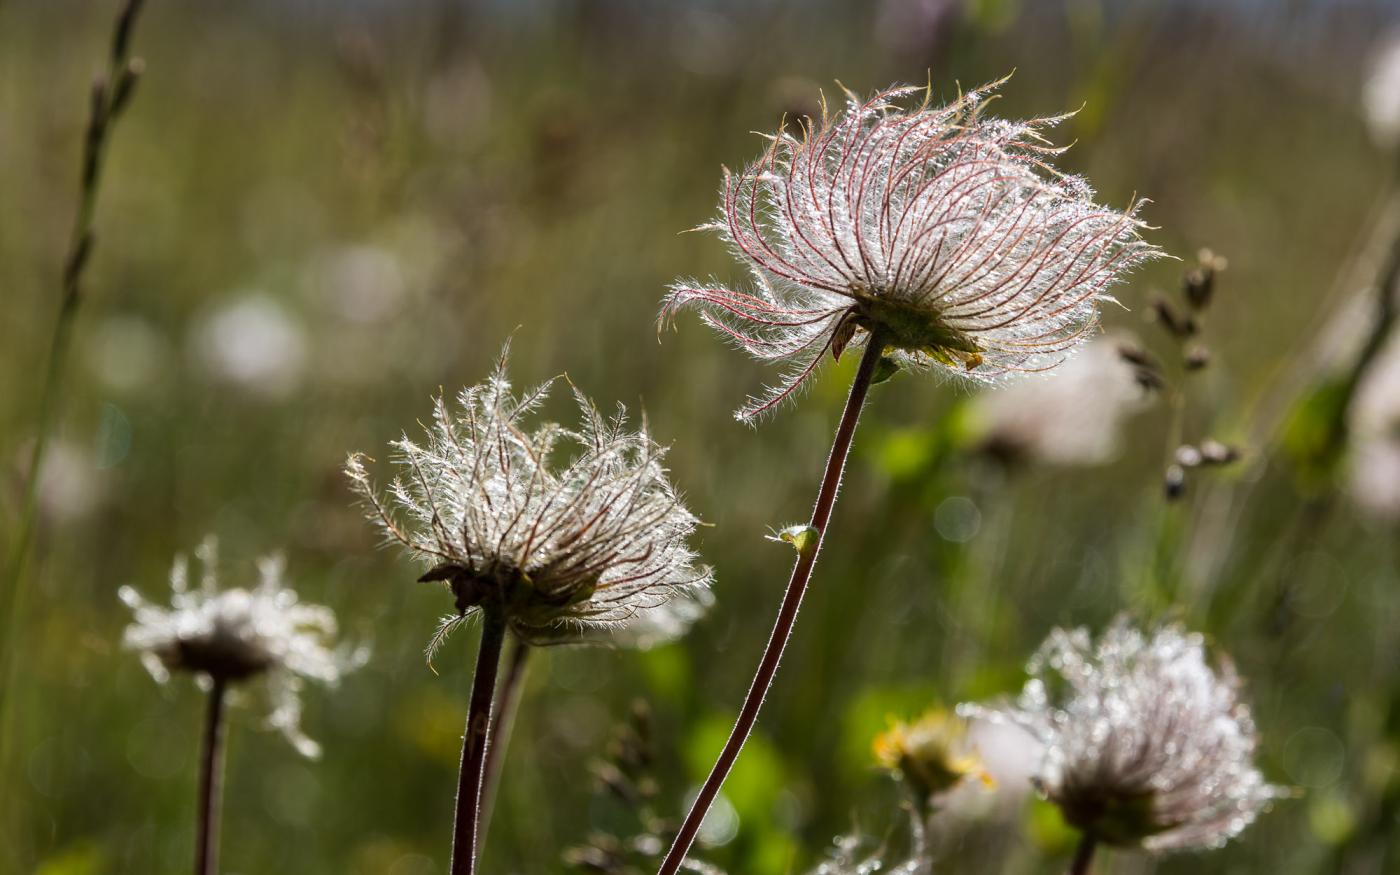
{"x": 237, "y": 635}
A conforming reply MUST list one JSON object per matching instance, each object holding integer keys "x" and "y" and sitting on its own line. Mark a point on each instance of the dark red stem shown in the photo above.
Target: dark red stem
{"x": 206, "y": 843}
{"x": 465, "y": 841}
{"x": 787, "y": 614}
{"x": 1083, "y": 855}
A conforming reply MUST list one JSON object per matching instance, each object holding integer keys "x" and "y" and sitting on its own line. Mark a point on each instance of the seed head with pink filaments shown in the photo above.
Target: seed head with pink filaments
{"x": 946, "y": 231}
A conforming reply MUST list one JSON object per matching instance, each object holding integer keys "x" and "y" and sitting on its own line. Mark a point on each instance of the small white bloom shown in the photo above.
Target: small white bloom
{"x": 254, "y": 343}
{"x": 236, "y": 635}
{"x": 1072, "y": 417}
{"x": 1381, "y": 95}
{"x": 1374, "y": 465}
{"x": 945, "y": 231}
{"x": 1144, "y": 743}
{"x": 583, "y": 549}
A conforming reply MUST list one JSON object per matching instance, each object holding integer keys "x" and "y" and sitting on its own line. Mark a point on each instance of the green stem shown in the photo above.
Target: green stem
{"x": 110, "y": 95}
{"x": 507, "y": 703}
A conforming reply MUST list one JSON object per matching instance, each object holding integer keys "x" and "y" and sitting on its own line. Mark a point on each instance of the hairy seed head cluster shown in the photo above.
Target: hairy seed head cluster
{"x": 1145, "y": 744}
{"x": 235, "y": 635}
{"x": 945, "y": 231}
{"x": 580, "y": 549}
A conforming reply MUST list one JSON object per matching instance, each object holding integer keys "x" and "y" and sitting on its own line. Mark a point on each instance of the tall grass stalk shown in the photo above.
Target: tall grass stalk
{"x": 111, "y": 94}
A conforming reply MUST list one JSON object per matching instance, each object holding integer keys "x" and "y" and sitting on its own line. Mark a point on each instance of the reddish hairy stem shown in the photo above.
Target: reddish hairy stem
{"x": 787, "y": 613}
{"x": 465, "y": 844}
{"x": 1083, "y": 855}
{"x": 206, "y": 843}
{"x": 507, "y": 702}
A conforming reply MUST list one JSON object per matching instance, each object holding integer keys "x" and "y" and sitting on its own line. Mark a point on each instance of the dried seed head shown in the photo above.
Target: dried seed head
{"x": 946, "y": 231}
{"x": 931, "y": 754}
{"x": 1179, "y": 325}
{"x": 1198, "y": 284}
{"x": 583, "y": 549}
{"x": 1213, "y": 452}
{"x": 1174, "y": 482}
{"x": 1145, "y": 744}
{"x": 235, "y": 635}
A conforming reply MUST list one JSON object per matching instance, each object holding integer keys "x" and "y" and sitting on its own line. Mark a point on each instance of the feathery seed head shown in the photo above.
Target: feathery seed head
{"x": 234, "y": 635}
{"x": 1144, "y": 743}
{"x": 932, "y": 753}
{"x": 569, "y": 550}
{"x": 946, "y": 231}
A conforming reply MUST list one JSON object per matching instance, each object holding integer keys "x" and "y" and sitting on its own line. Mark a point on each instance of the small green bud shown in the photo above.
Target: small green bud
{"x": 803, "y": 538}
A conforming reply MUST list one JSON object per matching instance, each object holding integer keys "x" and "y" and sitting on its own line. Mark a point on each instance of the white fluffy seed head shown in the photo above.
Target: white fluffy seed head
{"x": 945, "y": 231}
{"x": 236, "y": 635}
{"x": 1145, "y": 744}
{"x": 576, "y": 535}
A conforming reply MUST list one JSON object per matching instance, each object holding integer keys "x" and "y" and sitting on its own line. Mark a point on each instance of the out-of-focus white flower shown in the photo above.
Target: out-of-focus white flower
{"x": 363, "y": 284}
{"x": 944, "y": 231}
{"x": 568, "y": 551}
{"x": 69, "y": 486}
{"x": 1145, "y": 745}
{"x": 127, "y": 353}
{"x": 236, "y": 635}
{"x": 1374, "y": 466}
{"x": 254, "y": 343}
{"x": 1010, "y": 757}
{"x": 1072, "y": 417}
{"x": 1381, "y": 95}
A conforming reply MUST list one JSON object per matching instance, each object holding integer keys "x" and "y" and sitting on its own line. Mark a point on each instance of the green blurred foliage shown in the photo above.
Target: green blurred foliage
{"x": 383, "y": 193}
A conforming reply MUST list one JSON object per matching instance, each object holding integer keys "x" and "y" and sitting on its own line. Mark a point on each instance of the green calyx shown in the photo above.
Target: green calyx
{"x": 1123, "y": 819}
{"x": 917, "y": 329}
{"x": 521, "y": 594}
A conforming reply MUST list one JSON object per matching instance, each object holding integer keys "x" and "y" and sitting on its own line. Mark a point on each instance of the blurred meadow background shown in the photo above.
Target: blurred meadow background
{"x": 317, "y": 213}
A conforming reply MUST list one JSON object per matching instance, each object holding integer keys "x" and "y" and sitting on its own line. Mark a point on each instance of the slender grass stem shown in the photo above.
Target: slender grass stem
{"x": 110, "y": 95}
{"x": 1083, "y": 855}
{"x": 466, "y": 844}
{"x": 507, "y": 702}
{"x": 211, "y": 769}
{"x": 787, "y": 613}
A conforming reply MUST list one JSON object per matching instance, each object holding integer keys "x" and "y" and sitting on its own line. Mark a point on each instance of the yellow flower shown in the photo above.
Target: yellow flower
{"x": 931, "y": 753}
